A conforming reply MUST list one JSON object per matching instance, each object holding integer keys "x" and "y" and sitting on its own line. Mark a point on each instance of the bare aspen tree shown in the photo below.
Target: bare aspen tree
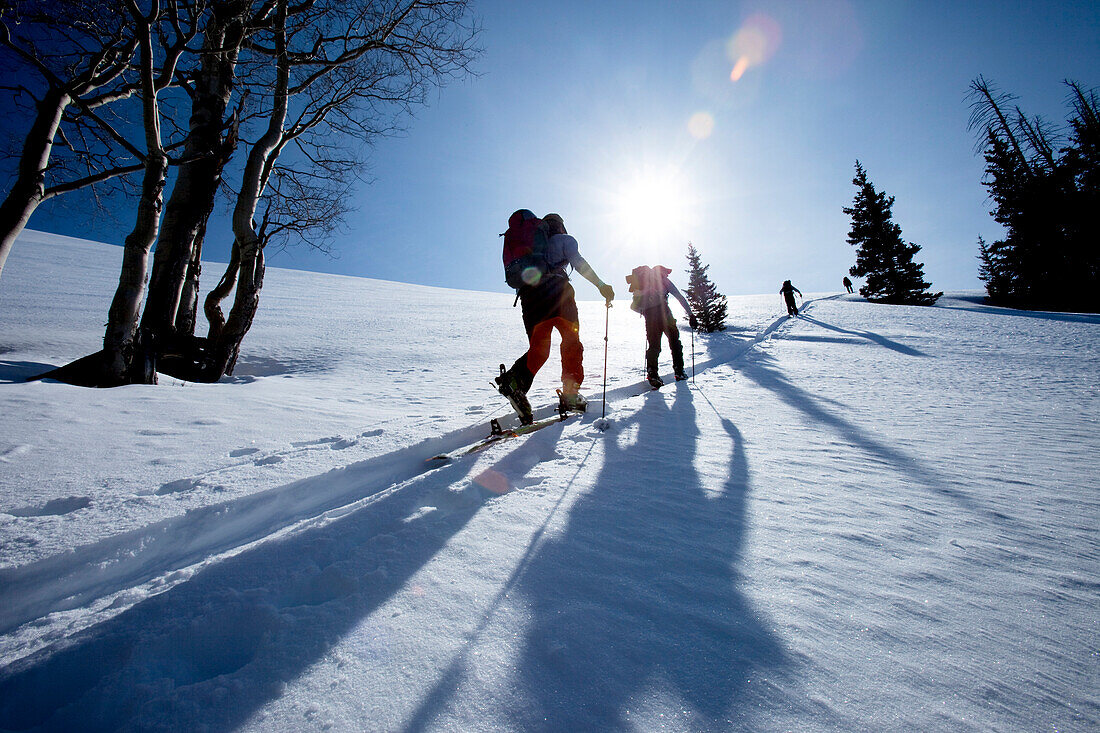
{"x": 342, "y": 72}
{"x": 120, "y": 363}
{"x": 303, "y": 86}
{"x": 210, "y": 143}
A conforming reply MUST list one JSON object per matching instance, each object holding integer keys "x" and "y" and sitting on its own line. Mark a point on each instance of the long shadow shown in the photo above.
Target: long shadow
{"x": 994, "y": 310}
{"x": 870, "y": 336}
{"x": 641, "y": 590}
{"x": 12, "y": 372}
{"x": 246, "y": 624}
{"x": 763, "y": 373}
{"x": 451, "y": 678}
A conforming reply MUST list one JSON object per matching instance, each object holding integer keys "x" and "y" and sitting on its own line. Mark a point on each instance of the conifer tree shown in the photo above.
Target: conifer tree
{"x": 708, "y": 305}
{"x": 883, "y": 257}
{"x": 1045, "y": 189}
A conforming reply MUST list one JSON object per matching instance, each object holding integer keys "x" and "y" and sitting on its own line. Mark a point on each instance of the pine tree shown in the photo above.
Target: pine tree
{"x": 883, "y": 257}
{"x": 708, "y": 305}
{"x": 1045, "y": 189}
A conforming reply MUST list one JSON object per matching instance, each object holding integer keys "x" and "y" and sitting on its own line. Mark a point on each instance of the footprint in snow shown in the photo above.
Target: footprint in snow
{"x": 269, "y": 461}
{"x": 175, "y": 487}
{"x": 54, "y": 507}
{"x": 243, "y": 452}
{"x": 372, "y": 433}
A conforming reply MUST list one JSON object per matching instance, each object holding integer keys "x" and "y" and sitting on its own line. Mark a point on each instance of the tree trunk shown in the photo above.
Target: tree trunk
{"x": 123, "y": 362}
{"x": 29, "y": 187}
{"x": 223, "y": 351}
{"x": 189, "y": 299}
{"x": 207, "y": 150}
{"x": 212, "y": 305}
{"x": 224, "y": 343}
{"x": 124, "y": 365}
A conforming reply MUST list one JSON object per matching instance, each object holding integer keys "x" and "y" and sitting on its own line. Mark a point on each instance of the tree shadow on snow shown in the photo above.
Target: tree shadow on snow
{"x": 211, "y": 651}
{"x": 981, "y": 305}
{"x": 813, "y": 408}
{"x": 868, "y": 335}
{"x": 12, "y": 372}
{"x": 638, "y": 598}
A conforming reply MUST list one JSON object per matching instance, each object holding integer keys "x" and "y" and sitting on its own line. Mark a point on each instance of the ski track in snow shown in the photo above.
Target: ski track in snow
{"x": 864, "y": 518}
{"x": 113, "y": 568}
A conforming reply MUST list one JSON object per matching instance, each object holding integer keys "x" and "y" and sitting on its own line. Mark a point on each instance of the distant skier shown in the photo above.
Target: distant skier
{"x": 548, "y": 302}
{"x": 651, "y": 288}
{"x": 788, "y": 291}
{"x": 847, "y": 284}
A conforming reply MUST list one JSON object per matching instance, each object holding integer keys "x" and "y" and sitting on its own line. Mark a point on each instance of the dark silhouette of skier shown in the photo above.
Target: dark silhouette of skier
{"x": 548, "y": 305}
{"x": 788, "y": 291}
{"x": 848, "y": 284}
{"x": 651, "y": 288}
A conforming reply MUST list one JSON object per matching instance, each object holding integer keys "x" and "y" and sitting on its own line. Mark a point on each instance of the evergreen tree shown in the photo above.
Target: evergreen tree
{"x": 883, "y": 257}
{"x": 1045, "y": 188}
{"x": 706, "y": 302}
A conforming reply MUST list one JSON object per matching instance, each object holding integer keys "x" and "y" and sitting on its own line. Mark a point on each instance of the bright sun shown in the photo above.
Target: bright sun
{"x": 652, "y": 209}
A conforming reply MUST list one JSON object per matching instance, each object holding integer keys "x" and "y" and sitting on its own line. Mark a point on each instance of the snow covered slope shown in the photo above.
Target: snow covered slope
{"x": 868, "y": 517}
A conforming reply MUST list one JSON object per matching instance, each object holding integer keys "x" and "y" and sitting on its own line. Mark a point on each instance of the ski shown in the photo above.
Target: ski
{"x": 497, "y": 434}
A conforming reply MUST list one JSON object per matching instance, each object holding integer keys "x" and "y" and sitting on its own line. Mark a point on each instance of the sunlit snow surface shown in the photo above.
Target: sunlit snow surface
{"x": 866, "y": 518}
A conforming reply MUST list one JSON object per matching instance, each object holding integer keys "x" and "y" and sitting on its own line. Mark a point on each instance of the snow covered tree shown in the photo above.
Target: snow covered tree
{"x": 706, "y": 302}
{"x": 883, "y": 257}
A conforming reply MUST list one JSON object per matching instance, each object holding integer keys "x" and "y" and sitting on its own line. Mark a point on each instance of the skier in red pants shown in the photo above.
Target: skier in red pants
{"x": 550, "y": 304}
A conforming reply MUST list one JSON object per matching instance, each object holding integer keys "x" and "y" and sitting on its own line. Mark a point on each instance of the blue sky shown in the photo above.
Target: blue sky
{"x": 626, "y": 118}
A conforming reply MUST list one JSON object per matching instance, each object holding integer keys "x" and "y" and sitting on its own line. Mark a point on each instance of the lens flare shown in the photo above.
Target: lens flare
{"x": 701, "y": 125}
{"x": 493, "y": 481}
{"x": 531, "y": 275}
{"x": 739, "y": 68}
{"x": 753, "y": 44}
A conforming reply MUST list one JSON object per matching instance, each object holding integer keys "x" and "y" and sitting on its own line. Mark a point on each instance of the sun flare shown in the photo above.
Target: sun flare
{"x": 653, "y": 209}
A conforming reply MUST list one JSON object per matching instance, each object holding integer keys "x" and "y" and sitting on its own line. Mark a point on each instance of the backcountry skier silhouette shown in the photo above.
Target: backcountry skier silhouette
{"x": 847, "y": 284}
{"x": 788, "y": 291}
{"x": 536, "y": 254}
{"x": 651, "y": 288}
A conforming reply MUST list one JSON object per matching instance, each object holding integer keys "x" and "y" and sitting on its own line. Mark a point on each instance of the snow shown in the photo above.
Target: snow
{"x": 868, "y": 517}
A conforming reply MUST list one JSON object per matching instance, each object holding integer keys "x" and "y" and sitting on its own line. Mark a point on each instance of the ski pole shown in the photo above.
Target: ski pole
{"x": 606, "y": 321}
{"x": 693, "y": 356}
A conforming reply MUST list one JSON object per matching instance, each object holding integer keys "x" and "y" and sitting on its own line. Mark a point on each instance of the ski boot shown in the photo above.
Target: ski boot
{"x": 681, "y": 376}
{"x": 654, "y": 381}
{"x": 508, "y": 386}
{"x": 572, "y": 401}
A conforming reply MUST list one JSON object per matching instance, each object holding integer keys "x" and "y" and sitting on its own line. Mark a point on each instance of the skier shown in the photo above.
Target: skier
{"x": 547, "y": 304}
{"x": 651, "y": 288}
{"x": 847, "y": 284}
{"x": 788, "y": 291}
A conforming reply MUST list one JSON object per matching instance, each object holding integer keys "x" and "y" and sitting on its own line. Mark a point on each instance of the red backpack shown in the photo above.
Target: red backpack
{"x": 525, "y": 249}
